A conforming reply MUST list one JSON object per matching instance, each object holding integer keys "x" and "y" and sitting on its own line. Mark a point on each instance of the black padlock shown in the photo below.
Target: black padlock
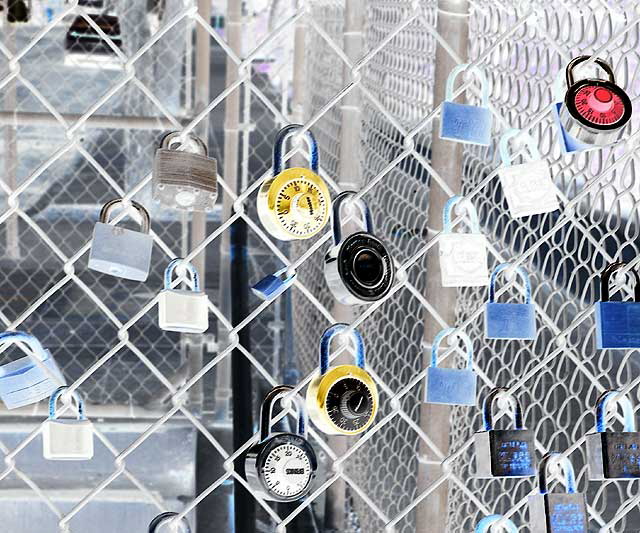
{"x": 18, "y": 11}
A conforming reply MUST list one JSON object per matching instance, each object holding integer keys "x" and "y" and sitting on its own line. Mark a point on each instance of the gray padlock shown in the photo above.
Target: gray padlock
{"x": 184, "y": 178}
{"x": 121, "y": 252}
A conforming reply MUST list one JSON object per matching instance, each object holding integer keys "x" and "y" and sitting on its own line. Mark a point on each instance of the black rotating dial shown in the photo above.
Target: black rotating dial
{"x": 349, "y": 404}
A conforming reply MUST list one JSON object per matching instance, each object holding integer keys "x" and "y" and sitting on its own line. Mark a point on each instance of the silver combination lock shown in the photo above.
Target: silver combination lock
{"x": 184, "y": 177}
{"x": 358, "y": 268}
{"x": 282, "y": 466}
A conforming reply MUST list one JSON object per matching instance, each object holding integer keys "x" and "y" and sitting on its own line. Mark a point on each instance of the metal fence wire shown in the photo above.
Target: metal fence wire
{"x": 80, "y": 128}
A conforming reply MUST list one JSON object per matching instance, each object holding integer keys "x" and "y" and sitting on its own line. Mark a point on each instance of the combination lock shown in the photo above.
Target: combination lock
{"x": 282, "y": 466}
{"x": 342, "y": 400}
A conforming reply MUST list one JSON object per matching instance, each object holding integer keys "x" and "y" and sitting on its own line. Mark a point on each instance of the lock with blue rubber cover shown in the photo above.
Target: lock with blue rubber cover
{"x": 274, "y": 285}
{"x": 490, "y": 521}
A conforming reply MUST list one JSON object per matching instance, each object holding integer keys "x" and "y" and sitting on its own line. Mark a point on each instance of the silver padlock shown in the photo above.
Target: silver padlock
{"x": 184, "y": 179}
{"x": 68, "y": 439}
{"x": 118, "y": 251}
{"x": 495, "y": 519}
{"x": 167, "y": 519}
{"x": 181, "y": 310}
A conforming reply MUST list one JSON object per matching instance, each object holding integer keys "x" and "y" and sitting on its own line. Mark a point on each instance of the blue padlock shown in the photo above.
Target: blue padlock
{"x": 617, "y": 323}
{"x": 463, "y": 122}
{"x": 274, "y": 284}
{"x": 507, "y": 320}
{"x": 507, "y": 525}
{"x": 451, "y": 386}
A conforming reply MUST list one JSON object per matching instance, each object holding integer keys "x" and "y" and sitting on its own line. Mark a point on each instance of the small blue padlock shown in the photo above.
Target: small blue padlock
{"x": 463, "y": 122}
{"x": 507, "y": 320}
{"x": 274, "y": 284}
{"x": 451, "y": 386}
{"x": 507, "y": 525}
{"x": 617, "y": 323}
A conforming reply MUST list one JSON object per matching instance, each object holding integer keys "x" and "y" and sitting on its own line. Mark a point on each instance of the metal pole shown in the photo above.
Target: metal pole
{"x": 446, "y": 159}
{"x": 28, "y": 118}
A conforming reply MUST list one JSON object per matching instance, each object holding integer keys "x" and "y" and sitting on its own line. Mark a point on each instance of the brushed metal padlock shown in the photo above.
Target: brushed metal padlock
{"x": 504, "y": 452}
{"x": 510, "y": 320}
{"x": 490, "y": 521}
{"x": 281, "y": 466}
{"x": 358, "y": 268}
{"x": 118, "y": 251}
{"x": 553, "y": 512}
{"x": 528, "y": 188}
{"x": 183, "y": 310}
{"x": 24, "y": 381}
{"x": 614, "y": 454}
{"x": 617, "y": 323}
{"x": 184, "y": 176}
{"x": 158, "y": 524}
{"x": 67, "y": 439}
{"x": 463, "y": 256}
{"x": 273, "y": 285}
{"x": 451, "y": 386}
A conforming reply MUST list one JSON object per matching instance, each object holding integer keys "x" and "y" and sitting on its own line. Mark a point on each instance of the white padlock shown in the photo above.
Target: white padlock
{"x": 463, "y": 256}
{"x": 67, "y": 439}
{"x": 180, "y": 310}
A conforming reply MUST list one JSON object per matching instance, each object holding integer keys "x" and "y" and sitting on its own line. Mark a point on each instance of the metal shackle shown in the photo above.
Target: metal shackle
{"x": 470, "y": 209}
{"x": 75, "y": 396}
{"x": 278, "y": 147}
{"x": 489, "y": 402}
{"x": 523, "y": 276}
{"x": 193, "y": 272}
{"x": 484, "y": 524}
{"x": 567, "y": 470}
{"x": 105, "y": 213}
{"x": 191, "y": 143}
{"x": 164, "y": 518}
{"x": 605, "y": 277}
{"x": 325, "y": 344}
{"x": 528, "y": 141}
{"x": 266, "y": 411}
{"x": 28, "y": 339}
{"x": 336, "y": 222}
{"x": 581, "y": 59}
{"x": 456, "y": 71}
{"x": 603, "y": 405}
{"x": 461, "y": 335}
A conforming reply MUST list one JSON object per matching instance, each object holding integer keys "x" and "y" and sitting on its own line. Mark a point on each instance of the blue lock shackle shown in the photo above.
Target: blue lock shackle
{"x": 336, "y": 222}
{"x": 484, "y": 524}
{"x": 461, "y": 335}
{"x": 487, "y": 408}
{"x": 456, "y": 71}
{"x": 603, "y": 404}
{"x": 168, "y": 273}
{"x": 266, "y": 411}
{"x": 523, "y": 276}
{"x": 567, "y": 469}
{"x": 164, "y": 518}
{"x": 105, "y": 213}
{"x": 54, "y": 398}
{"x": 282, "y": 136}
{"x": 528, "y": 141}
{"x": 20, "y": 336}
{"x": 325, "y": 343}
{"x": 470, "y": 209}
{"x": 605, "y": 276}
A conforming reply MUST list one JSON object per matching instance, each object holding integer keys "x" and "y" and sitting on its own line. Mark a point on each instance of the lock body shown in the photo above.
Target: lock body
{"x": 463, "y": 260}
{"x": 273, "y": 285}
{"x": 617, "y": 325}
{"x": 528, "y": 189}
{"x": 450, "y": 386}
{"x": 577, "y": 134}
{"x": 185, "y": 311}
{"x": 613, "y": 455}
{"x": 120, "y": 252}
{"x": 510, "y": 321}
{"x": 67, "y": 440}
{"x": 466, "y": 123}
{"x": 18, "y": 11}
{"x": 558, "y": 513}
{"x": 505, "y": 453}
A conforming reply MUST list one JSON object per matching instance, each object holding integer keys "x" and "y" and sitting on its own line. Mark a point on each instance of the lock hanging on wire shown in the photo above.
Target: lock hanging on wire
{"x": 488, "y": 521}
{"x": 181, "y": 310}
{"x": 273, "y": 285}
{"x": 164, "y": 519}
{"x": 18, "y": 11}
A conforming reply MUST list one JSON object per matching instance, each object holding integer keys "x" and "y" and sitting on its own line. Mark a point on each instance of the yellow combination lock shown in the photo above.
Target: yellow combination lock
{"x": 342, "y": 400}
{"x": 294, "y": 203}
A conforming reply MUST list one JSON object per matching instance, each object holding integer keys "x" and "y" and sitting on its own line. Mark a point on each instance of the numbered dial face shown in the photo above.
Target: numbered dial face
{"x": 349, "y": 404}
{"x": 287, "y": 471}
{"x": 301, "y": 207}
{"x": 599, "y": 105}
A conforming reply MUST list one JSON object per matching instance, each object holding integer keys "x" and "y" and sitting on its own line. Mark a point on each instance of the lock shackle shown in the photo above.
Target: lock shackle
{"x": 484, "y": 524}
{"x": 470, "y": 209}
{"x": 74, "y": 395}
{"x": 282, "y": 136}
{"x": 435, "y": 345}
{"x": 325, "y": 344}
{"x": 163, "y": 518}
{"x": 605, "y": 276}
{"x": 105, "y": 213}
{"x": 528, "y": 141}
{"x": 523, "y": 276}
{"x": 193, "y": 272}
{"x": 567, "y": 469}
{"x": 336, "y": 223}
{"x": 581, "y": 59}
{"x": 266, "y": 411}
{"x": 193, "y": 144}
{"x": 489, "y": 402}
{"x": 456, "y": 71}
{"x": 603, "y": 405}
{"x": 20, "y": 336}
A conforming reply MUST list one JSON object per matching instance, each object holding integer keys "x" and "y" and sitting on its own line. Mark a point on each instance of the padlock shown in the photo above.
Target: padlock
{"x": 282, "y": 466}
{"x": 119, "y": 251}
{"x": 510, "y": 320}
{"x": 67, "y": 439}
{"x": 181, "y": 310}
{"x": 553, "y": 512}
{"x": 617, "y": 323}
{"x": 184, "y": 179}
{"x": 528, "y": 188}
{"x": 166, "y": 519}
{"x": 342, "y": 400}
{"x": 614, "y": 454}
{"x": 294, "y": 203}
{"x": 451, "y": 386}
{"x": 274, "y": 284}
{"x": 488, "y": 521}
{"x": 23, "y": 382}
{"x": 358, "y": 269}
{"x": 504, "y": 452}
{"x": 463, "y": 256}
{"x": 18, "y": 11}
{"x": 463, "y": 122}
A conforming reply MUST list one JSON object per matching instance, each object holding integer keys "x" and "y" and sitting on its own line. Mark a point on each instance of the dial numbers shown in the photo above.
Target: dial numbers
{"x": 349, "y": 404}
{"x": 301, "y": 207}
{"x": 598, "y": 105}
{"x": 287, "y": 471}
